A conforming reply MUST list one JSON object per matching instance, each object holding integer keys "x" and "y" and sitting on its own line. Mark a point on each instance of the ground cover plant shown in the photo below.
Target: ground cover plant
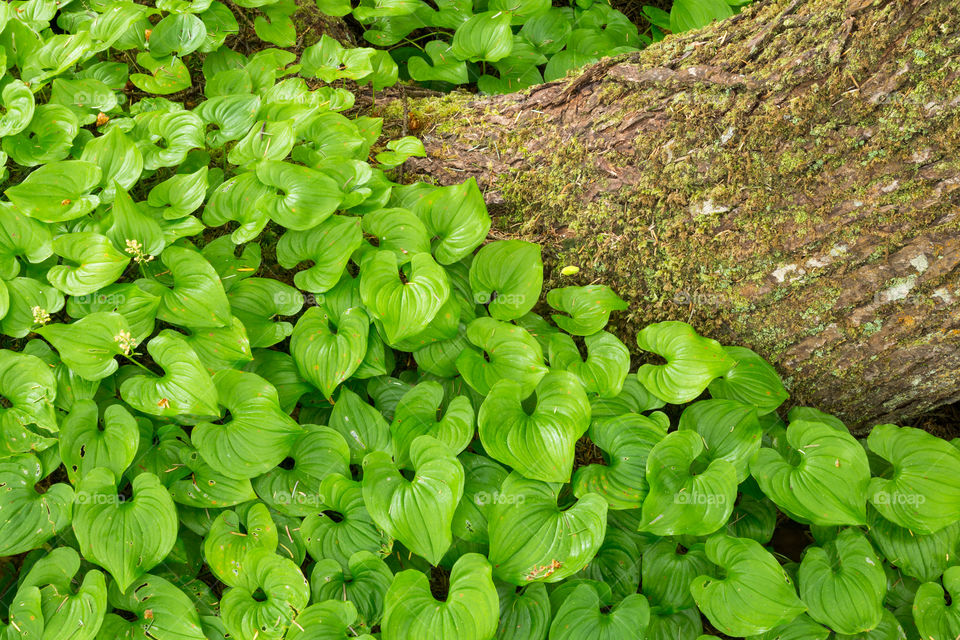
{"x": 253, "y": 387}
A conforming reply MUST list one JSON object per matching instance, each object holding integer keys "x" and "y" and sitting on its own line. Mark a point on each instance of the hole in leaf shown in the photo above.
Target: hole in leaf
{"x": 336, "y": 516}
{"x": 259, "y": 595}
{"x": 440, "y": 583}
{"x": 287, "y": 463}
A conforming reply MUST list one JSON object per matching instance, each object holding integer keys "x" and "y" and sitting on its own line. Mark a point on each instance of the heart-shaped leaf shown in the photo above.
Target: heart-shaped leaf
{"x": 605, "y": 368}
{"x": 327, "y": 349}
{"x": 185, "y": 388}
{"x": 751, "y": 381}
{"x": 256, "y": 302}
{"x": 98, "y": 263}
{"x": 471, "y": 611}
{"x": 667, "y": 570}
{"x": 933, "y": 617}
{"x": 258, "y": 435}
{"x": 755, "y": 593}
{"x": 501, "y": 351}
{"x": 524, "y": 614}
{"x": 30, "y": 518}
{"x": 481, "y": 489}
{"x": 626, "y": 441}
{"x": 328, "y": 620}
{"x": 537, "y": 441}
{"x": 687, "y": 496}
{"x": 127, "y": 537}
{"x": 197, "y": 298}
{"x": 67, "y": 610}
{"x": 530, "y": 537}
{"x": 507, "y": 276}
{"x": 486, "y": 36}
{"x": 84, "y": 446}
{"x": 364, "y": 584}
{"x": 582, "y": 617}
{"x": 404, "y": 307}
{"x": 843, "y": 583}
{"x": 923, "y": 557}
{"x": 730, "y": 430}
{"x": 270, "y": 594}
{"x": 588, "y": 308}
{"x": 692, "y": 361}
{"x": 457, "y": 216}
{"x": 921, "y": 491}
{"x": 340, "y": 524}
{"x": 398, "y": 230}
{"x": 157, "y": 607}
{"x": 29, "y": 387}
{"x": 824, "y": 480}
{"x": 232, "y": 535}
{"x": 416, "y": 512}
{"x": 308, "y": 197}
{"x": 329, "y": 245}
{"x": 362, "y": 426}
{"x": 419, "y": 413}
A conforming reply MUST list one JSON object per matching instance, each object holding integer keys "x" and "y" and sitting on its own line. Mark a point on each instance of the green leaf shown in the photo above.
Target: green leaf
{"x": 825, "y": 479}
{"x": 686, "y": 15}
{"x": 486, "y": 36}
{"x": 98, "y": 263}
{"x": 184, "y": 389}
{"x": 221, "y": 347}
{"x": 177, "y": 33}
{"x": 923, "y": 557}
{"x": 197, "y": 299}
{"x": 507, "y": 275}
{"x": 416, "y": 512}
{"x": 751, "y": 381}
{"x": 30, "y": 518}
{"x": 329, "y": 61}
{"x": 330, "y": 620}
{"x": 66, "y": 610}
{"x": 21, "y": 236}
{"x": 29, "y": 389}
{"x": 843, "y": 583}
{"x": 88, "y": 346}
{"x": 257, "y": 301}
{"x": 800, "y": 628}
{"x": 538, "y": 441}
{"x": 470, "y": 612}
{"x": 158, "y": 607}
{"x": 404, "y": 307}
{"x": 258, "y": 435}
{"x": 685, "y": 499}
{"x": 753, "y": 518}
{"x": 398, "y": 230}
{"x": 57, "y": 191}
{"x": 127, "y": 537}
{"x": 328, "y": 245}
{"x": 247, "y": 615}
{"x": 933, "y": 617}
{"x": 457, "y": 216}
{"x": 364, "y": 583}
{"x": 422, "y": 411}
{"x": 166, "y": 138}
{"x": 315, "y": 454}
{"x": 203, "y": 487}
{"x": 232, "y": 535}
{"x": 481, "y": 489}
{"x": 84, "y": 446}
{"x": 524, "y": 615}
{"x": 626, "y": 442}
{"x": 167, "y": 75}
{"x": 328, "y": 350}
{"x": 138, "y": 232}
{"x": 340, "y": 524}
{"x": 18, "y": 108}
{"x": 755, "y": 594}
{"x": 400, "y": 150}
{"x": 500, "y": 351}
{"x": 589, "y": 308}
{"x": 730, "y": 430}
{"x": 667, "y": 570}
{"x": 180, "y": 195}
{"x": 583, "y": 617}
{"x": 119, "y": 160}
{"x": 605, "y": 368}
{"x": 692, "y": 361}
{"x": 47, "y": 139}
{"x": 921, "y": 491}
{"x": 362, "y": 426}
{"x": 444, "y": 66}
{"x": 308, "y": 196}
{"x": 525, "y": 507}
{"x": 138, "y": 307}
{"x": 264, "y": 141}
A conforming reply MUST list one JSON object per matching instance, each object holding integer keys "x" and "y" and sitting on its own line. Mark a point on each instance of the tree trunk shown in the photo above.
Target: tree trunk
{"x": 785, "y": 180}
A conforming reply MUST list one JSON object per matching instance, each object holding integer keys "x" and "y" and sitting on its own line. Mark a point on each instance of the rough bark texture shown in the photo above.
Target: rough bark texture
{"x": 785, "y": 180}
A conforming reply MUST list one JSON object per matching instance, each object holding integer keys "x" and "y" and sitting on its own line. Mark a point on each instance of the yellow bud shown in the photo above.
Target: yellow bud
{"x": 570, "y": 271}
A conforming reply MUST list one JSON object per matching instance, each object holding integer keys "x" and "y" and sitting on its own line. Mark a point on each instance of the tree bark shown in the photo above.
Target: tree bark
{"x": 785, "y": 180}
